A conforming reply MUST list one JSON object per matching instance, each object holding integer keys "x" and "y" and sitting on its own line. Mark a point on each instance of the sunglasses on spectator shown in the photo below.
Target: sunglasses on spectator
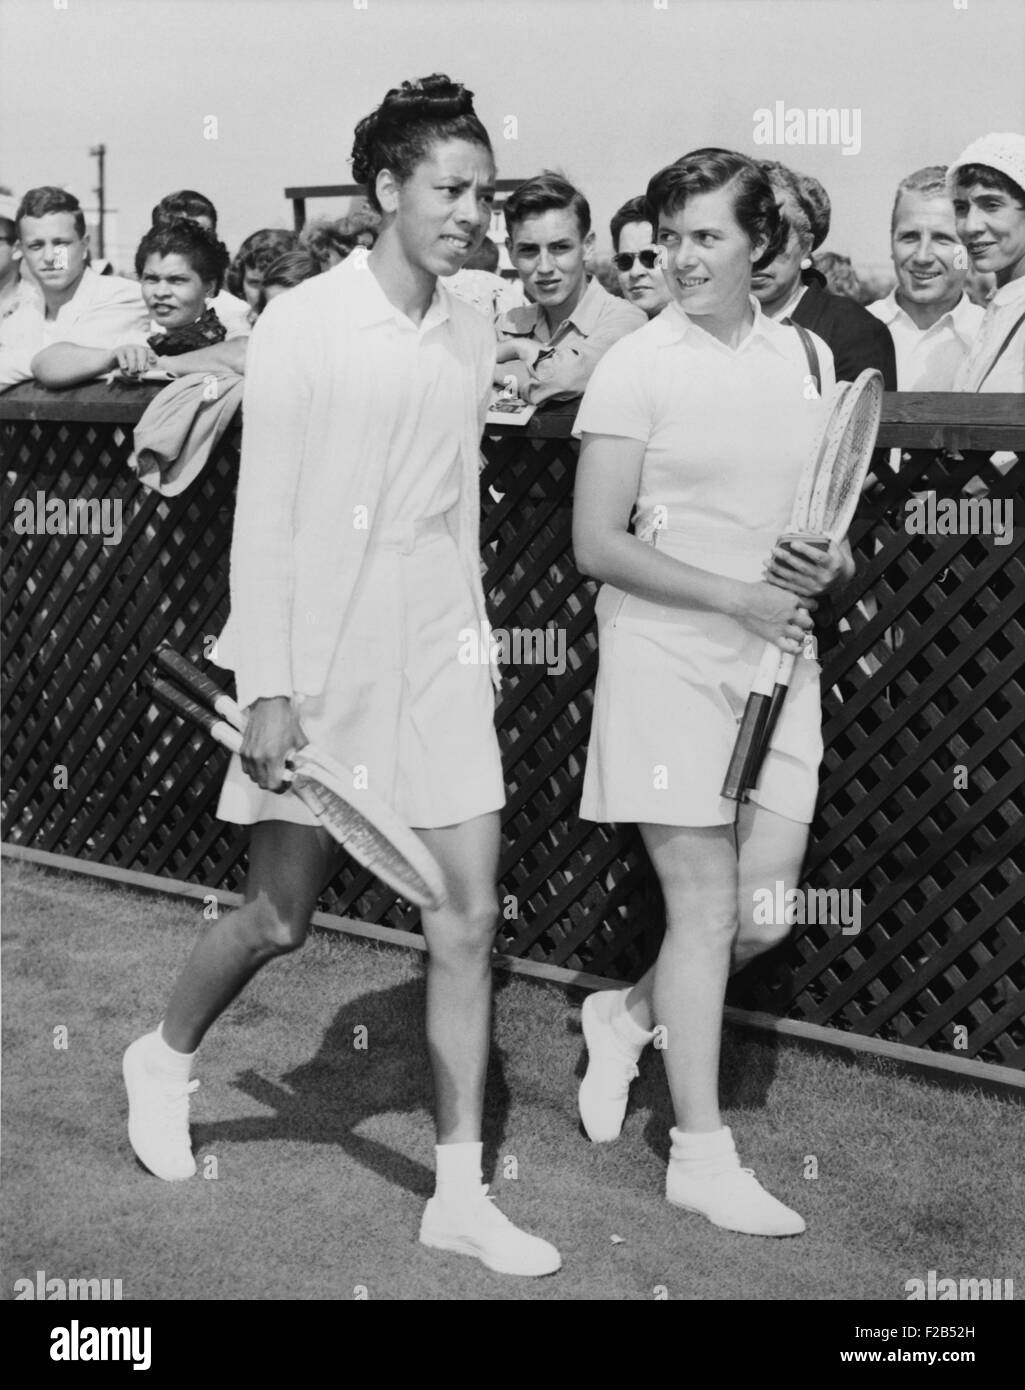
{"x": 624, "y": 260}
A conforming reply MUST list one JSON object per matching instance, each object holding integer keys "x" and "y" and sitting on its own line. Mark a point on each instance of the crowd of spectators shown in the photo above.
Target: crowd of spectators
{"x": 957, "y": 245}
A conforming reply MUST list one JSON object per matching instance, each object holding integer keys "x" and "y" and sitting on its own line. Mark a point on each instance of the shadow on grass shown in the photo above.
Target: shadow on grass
{"x": 355, "y": 1076}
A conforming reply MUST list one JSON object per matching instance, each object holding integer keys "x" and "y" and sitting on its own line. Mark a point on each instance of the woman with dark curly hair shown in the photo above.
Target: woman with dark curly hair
{"x": 355, "y": 566}
{"x": 181, "y": 268}
{"x": 696, "y": 427}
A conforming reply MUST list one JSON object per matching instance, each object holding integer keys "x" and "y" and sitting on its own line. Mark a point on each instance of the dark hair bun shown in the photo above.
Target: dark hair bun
{"x": 426, "y": 101}
{"x": 436, "y": 97}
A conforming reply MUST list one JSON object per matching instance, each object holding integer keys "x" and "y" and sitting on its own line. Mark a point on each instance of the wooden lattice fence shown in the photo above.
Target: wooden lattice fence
{"x": 921, "y": 805}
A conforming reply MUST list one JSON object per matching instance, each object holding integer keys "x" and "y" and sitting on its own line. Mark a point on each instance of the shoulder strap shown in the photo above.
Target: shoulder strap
{"x": 1000, "y": 352}
{"x": 811, "y": 352}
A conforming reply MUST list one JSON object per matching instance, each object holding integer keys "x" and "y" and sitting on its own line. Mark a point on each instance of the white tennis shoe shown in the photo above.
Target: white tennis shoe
{"x": 158, "y": 1114}
{"x": 734, "y": 1200}
{"x": 474, "y": 1226}
{"x": 611, "y": 1067}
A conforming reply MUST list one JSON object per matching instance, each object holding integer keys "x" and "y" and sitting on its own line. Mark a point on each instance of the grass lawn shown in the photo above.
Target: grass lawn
{"x": 323, "y": 1149}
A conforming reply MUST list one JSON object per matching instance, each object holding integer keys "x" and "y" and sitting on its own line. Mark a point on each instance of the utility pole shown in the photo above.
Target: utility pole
{"x": 99, "y": 153}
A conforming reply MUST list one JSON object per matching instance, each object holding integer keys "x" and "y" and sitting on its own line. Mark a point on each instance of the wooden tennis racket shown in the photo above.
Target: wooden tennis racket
{"x": 363, "y": 824}
{"x": 824, "y": 505}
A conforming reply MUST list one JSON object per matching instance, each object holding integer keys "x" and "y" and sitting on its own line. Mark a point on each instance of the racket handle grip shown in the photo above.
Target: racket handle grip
{"x": 218, "y": 729}
{"x": 753, "y": 770}
{"x": 748, "y": 738}
{"x": 753, "y": 721}
{"x": 200, "y": 685}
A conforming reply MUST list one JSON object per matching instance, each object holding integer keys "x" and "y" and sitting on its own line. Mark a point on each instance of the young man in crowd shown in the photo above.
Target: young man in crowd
{"x": 931, "y": 320}
{"x": 635, "y": 258}
{"x": 987, "y": 184}
{"x": 77, "y": 325}
{"x": 552, "y": 346}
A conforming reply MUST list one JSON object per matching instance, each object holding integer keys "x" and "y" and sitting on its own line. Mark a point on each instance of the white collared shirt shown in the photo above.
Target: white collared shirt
{"x": 104, "y": 312}
{"x": 928, "y": 359}
{"x": 726, "y": 430}
{"x": 328, "y": 422}
{"x": 1005, "y": 306}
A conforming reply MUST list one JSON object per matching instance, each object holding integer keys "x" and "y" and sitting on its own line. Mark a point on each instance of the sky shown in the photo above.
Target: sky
{"x": 606, "y": 91}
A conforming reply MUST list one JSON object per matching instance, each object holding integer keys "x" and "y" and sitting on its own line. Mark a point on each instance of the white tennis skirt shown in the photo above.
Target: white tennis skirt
{"x": 399, "y": 707}
{"x": 672, "y": 686}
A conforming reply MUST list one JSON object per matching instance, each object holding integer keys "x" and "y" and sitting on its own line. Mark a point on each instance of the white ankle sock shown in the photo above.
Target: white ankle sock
{"x": 704, "y": 1155}
{"x": 458, "y": 1170}
{"x": 175, "y": 1064}
{"x": 630, "y": 1033}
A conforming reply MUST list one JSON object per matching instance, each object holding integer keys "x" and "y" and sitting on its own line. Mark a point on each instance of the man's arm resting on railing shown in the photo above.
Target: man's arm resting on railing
{"x": 67, "y": 364}
{"x": 513, "y": 359}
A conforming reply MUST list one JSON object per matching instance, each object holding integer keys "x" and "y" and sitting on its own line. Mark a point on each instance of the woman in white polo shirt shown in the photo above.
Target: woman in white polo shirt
{"x": 355, "y": 566}
{"x": 697, "y": 426}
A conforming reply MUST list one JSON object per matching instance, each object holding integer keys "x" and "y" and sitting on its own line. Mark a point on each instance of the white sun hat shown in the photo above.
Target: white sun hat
{"x": 1004, "y": 152}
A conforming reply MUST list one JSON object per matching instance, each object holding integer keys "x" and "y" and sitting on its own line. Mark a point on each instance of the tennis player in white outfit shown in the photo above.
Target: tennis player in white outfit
{"x": 355, "y": 565}
{"x": 697, "y": 427}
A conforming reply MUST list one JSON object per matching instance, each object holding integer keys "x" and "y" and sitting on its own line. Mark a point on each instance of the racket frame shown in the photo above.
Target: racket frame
{"x": 227, "y": 727}
{"x": 749, "y": 739}
{"x": 764, "y": 705}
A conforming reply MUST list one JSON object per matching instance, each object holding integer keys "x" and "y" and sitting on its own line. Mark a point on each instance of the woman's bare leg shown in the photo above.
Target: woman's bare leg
{"x": 770, "y": 850}
{"x": 460, "y": 939}
{"x": 697, "y": 868}
{"x": 770, "y": 847}
{"x": 288, "y": 866}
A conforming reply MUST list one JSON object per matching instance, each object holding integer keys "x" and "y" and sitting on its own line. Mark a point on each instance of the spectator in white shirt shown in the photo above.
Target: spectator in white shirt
{"x": 73, "y": 329}
{"x": 987, "y": 183}
{"x": 233, "y": 312}
{"x": 931, "y": 320}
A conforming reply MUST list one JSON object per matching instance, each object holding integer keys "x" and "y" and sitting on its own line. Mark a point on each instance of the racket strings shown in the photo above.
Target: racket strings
{"x": 817, "y": 462}
{"x": 825, "y": 501}
{"x": 835, "y": 507}
{"x": 360, "y": 837}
